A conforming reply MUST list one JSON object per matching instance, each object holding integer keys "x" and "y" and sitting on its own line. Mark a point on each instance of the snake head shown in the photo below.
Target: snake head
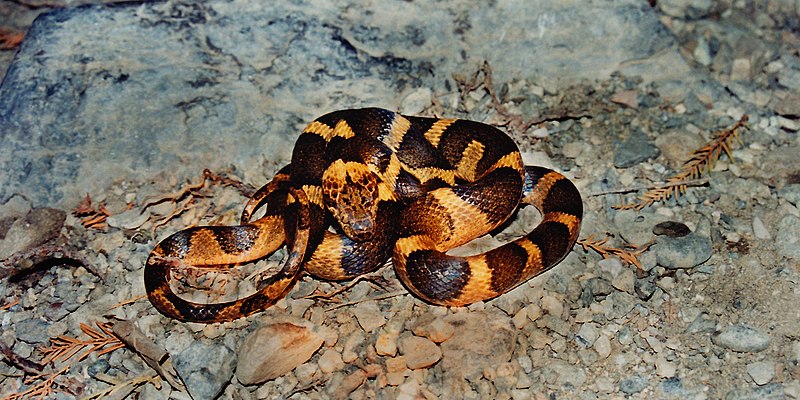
{"x": 350, "y": 191}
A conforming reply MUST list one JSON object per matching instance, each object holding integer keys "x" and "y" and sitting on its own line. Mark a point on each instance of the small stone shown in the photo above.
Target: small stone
{"x": 760, "y": 230}
{"x": 348, "y": 384}
{"x": 618, "y": 304}
{"x": 395, "y": 378}
{"x": 369, "y": 317}
{"x": 740, "y": 70}
{"x": 762, "y": 372}
{"x": 33, "y": 331}
{"x": 624, "y": 281}
{"x": 684, "y": 252}
{"x": 205, "y": 369}
{"x": 788, "y": 238}
{"x": 330, "y": 361}
{"x": 637, "y": 148}
{"x": 742, "y": 338}
{"x": 587, "y": 335}
{"x": 602, "y": 346}
{"x": 130, "y": 219}
{"x": 626, "y": 98}
{"x": 633, "y": 384}
{"x": 386, "y": 344}
{"x": 352, "y": 343}
{"x": 520, "y": 318}
{"x": 396, "y": 364}
{"x": 791, "y": 193}
{"x": 552, "y": 305}
{"x": 654, "y": 343}
{"x": 664, "y": 368}
{"x": 437, "y": 330}
{"x": 417, "y": 101}
{"x": 420, "y": 352}
{"x": 275, "y": 349}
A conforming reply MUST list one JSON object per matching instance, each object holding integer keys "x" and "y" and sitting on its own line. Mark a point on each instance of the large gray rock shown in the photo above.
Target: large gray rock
{"x": 104, "y": 94}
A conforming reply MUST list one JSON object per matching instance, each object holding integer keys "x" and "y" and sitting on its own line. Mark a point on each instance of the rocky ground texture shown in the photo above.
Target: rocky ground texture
{"x": 711, "y": 311}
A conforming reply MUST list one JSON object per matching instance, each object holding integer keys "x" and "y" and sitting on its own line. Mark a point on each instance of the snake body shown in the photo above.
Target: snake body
{"x": 391, "y": 186}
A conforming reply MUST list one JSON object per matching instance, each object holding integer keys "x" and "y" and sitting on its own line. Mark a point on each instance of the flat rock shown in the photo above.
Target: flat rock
{"x": 480, "y": 340}
{"x": 77, "y": 114}
{"x": 39, "y": 226}
{"x": 742, "y": 338}
{"x": 419, "y": 352}
{"x": 275, "y": 349}
{"x": 205, "y": 369}
{"x": 683, "y": 252}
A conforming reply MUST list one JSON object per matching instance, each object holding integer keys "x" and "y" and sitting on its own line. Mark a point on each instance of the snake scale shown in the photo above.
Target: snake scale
{"x": 366, "y": 185}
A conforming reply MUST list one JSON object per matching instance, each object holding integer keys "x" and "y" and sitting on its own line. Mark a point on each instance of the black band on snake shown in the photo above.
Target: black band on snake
{"x": 390, "y": 186}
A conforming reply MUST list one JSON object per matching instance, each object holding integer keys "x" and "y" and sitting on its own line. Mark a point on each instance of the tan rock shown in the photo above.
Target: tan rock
{"x": 420, "y": 352}
{"x": 481, "y": 340}
{"x": 275, "y": 349}
{"x": 330, "y": 361}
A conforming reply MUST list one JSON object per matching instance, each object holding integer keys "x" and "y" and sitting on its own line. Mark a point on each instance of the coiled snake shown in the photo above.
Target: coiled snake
{"x": 409, "y": 188}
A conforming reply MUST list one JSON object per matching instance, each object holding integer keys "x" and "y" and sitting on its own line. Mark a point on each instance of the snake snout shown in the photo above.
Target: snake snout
{"x": 360, "y": 230}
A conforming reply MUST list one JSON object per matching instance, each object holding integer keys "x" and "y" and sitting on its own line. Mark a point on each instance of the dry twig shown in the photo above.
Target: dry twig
{"x": 40, "y": 391}
{"x": 700, "y": 162}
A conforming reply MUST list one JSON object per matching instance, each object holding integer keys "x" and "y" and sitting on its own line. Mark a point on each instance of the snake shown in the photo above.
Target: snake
{"x": 368, "y": 186}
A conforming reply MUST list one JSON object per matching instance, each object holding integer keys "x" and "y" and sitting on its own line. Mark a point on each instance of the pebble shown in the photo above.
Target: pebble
{"x": 275, "y": 349}
{"x": 437, "y": 330}
{"x": 683, "y": 252}
{"x": 618, "y": 304}
{"x": 386, "y": 343}
{"x": 563, "y": 374}
{"x": 773, "y": 391}
{"x": 553, "y": 305}
{"x": 602, "y": 346}
{"x": 637, "y": 148}
{"x": 624, "y": 281}
{"x": 633, "y": 384}
{"x": 760, "y": 230}
{"x": 420, "y": 352}
{"x": 129, "y": 219}
{"x": 587, "y": 335}
{"x": 762, "y": 372}
{"x": 791, "y": 193}
{"x": 33, "y": 331}
{"x": 787, "y": 240}
{"x": 205, "y": 369}
{"x": 351, "y": 345}
{"x": 330, "y": 361}
{"x": 665, "y": 368}
{"x": 417, "y": 101}
{"x": 742, "y": 338}
{"x": 369, "y": 317}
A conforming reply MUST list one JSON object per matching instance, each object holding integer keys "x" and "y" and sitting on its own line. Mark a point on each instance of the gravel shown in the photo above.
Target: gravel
{"x": 227, "y": 85}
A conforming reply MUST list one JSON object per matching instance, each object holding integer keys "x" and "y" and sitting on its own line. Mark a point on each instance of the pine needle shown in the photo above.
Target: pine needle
{"x": 102, "y": 341}
{"x": 629, "y": 255}
{"x": 701, "y": 162}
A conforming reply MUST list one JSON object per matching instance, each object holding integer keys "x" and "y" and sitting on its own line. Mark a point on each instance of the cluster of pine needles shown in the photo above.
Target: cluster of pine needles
{"x": 62, "y": 350}
{"x": 701, "y": 162}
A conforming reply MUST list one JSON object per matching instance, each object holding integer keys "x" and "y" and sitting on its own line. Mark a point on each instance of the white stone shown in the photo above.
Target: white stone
{"x": 762, "y": 372}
